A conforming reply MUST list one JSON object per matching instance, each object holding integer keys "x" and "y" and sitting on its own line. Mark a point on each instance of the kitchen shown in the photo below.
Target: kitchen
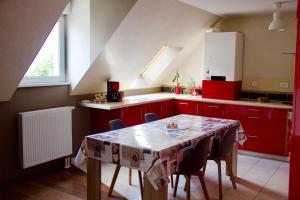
{"x": 261, "y": 98}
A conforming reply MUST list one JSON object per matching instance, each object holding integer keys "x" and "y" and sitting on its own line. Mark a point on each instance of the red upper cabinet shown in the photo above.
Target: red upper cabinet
{"x": 133, "y": 115}
{"x": 213, "y": 110}
{"x": 185, "y": 107}
{"x": 166, "y": 108}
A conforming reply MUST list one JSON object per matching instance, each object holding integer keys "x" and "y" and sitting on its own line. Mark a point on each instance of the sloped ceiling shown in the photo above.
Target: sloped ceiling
{"x": 24, "y": 26}
{"x": 147, "y": 27}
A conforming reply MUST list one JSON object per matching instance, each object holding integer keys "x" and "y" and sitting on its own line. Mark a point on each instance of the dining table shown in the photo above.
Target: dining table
{"x": 156, "y": 148}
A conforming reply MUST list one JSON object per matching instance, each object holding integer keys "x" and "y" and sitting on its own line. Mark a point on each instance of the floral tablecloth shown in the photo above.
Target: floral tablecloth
{"x": 153, "y": 148}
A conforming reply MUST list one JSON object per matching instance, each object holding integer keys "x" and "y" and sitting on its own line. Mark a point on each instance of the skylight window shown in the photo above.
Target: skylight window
{"x": 154, "y": 60}
{"x": 49, "y": 64}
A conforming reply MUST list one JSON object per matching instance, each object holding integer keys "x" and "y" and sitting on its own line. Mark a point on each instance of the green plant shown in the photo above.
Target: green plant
{"x": 191, "y": 83}
{"x": 176, "y": 79}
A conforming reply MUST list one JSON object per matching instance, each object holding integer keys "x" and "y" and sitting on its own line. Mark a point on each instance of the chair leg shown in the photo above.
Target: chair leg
{"x": 188, "y": 187}
{"x": 176, "y": 185}
{"x": 130, "y": 177}
{"x": 229, "y": 169}
{"x": 172, "y": 181}
{"x": 201, "y": 178}
{"x": 220, "y": 179}
{"x": 185, "y": 186}
{"x": 204, "y": 167}
{"x": 141, "y": 183}
{"x": 113, "y": 182}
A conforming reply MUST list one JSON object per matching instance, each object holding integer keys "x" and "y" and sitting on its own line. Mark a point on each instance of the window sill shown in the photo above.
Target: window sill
{"x": 26, "y": 85}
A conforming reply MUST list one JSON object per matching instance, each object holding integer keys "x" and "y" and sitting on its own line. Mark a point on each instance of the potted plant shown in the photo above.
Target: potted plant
{"x": 175, "y": 79}
{"x": 192, "y": 87}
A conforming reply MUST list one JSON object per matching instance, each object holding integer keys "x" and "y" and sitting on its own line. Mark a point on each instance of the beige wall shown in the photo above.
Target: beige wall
{"x": 264, "y": 61}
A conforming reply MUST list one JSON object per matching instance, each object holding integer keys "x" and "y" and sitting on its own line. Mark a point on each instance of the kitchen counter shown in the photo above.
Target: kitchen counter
{"x": 156, "y": 97}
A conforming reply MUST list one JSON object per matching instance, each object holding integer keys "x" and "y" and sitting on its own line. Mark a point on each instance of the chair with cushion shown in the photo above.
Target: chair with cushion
{"x": 191, "y": 165}
{"x": 150, "y": 117}
{"x": 115, "y": 125}
{"x": 221, "y": 150}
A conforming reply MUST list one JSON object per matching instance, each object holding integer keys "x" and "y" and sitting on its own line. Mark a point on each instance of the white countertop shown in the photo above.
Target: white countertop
{"x": 155, "y": 97}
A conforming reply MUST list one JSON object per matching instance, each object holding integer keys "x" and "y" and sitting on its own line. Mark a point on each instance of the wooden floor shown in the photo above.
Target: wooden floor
{"x": 62, "y": 185}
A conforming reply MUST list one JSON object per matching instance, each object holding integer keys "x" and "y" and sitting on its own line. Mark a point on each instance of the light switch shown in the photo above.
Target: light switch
{"x": 253, "y": 84}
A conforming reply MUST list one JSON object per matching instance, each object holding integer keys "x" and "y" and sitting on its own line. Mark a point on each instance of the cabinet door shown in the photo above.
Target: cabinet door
{"x": 133, "y": 115}
{"x": 266, "y": 128}
{"x": 152, "y": 108}
{"x": 213, "y": 110}
{"x": 185, "y": 107}
{"x": 198, "y": 108}
{"x": 100, "y": 119}
{"x": 166, "y": 109}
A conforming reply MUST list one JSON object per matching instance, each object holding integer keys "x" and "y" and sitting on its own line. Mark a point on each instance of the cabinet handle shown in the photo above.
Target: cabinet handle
{"x": 252, "y": 136}
{"x": 254, "y": 110}
{"x": 253, "y": 117}
{"x": 183, "y": 103}
{"x": 213, "y": 106}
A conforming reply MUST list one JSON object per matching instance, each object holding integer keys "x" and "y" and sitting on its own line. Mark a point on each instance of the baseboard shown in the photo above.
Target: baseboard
{"x": 263, "y": 155}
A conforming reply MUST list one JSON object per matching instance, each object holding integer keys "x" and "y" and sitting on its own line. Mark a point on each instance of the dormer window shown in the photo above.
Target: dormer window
{"x": 49, "y": 64}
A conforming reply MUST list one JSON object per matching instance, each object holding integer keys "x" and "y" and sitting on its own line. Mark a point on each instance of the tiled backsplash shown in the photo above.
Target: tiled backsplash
{"x": 251, "y": 94}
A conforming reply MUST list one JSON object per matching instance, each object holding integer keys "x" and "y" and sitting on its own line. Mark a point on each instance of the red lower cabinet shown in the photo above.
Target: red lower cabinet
{"x": 100, "y": 119}
{"x": 266, "y": 128}
{"x": 152, "y": 108}
{"x": 133, "y": 115}
{"x": 185, "y": 107}
{"x": 213, "y": 110}
{"x": 166, "y": 109}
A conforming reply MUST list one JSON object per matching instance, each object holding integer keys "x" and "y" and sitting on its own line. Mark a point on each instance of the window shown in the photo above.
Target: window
{"x": 49, "y": 64}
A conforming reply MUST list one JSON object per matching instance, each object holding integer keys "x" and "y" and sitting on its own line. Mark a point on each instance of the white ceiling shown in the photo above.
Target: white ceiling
{"x": 240, "y": 7}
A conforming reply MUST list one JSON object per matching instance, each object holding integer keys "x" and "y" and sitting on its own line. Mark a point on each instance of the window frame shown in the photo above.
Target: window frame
{"x": 36, "y": 80}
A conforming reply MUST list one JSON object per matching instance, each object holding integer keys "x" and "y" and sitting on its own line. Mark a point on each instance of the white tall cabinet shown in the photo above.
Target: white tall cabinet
{"x": 223, "y": 55}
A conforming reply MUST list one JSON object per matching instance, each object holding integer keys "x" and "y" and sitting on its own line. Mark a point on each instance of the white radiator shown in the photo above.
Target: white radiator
{"x": 44, "y": 135}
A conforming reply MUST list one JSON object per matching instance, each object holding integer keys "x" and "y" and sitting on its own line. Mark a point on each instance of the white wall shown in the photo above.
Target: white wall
{"x": 89, "y": 26}
{"x": 24, "y": 28}
{"x": 148, "y": 26}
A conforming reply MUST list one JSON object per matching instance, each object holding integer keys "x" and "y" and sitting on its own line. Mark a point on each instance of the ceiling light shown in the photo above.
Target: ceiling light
{"x": 277, "y": 23}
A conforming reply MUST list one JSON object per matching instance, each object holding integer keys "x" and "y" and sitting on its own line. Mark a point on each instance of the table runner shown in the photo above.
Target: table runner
{"x": 153, "y": 148}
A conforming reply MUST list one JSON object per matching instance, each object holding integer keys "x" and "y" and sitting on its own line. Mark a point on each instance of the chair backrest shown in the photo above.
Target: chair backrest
{"x": 195, "y": 159}
{"x": 116, "y": 124}
{"x": 150, "y": 117}
{"x": 223, "y": 146}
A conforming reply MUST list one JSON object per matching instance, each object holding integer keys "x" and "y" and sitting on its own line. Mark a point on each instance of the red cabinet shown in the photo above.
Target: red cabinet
{"x": 101, "y": 118}
{"x": 266, "y": 128}
{"x": 152, "y": 108}
{"x": 133, "y": 115}
{"x": 166, "y": 108}
{"x": 185, "y": 107}
{"x": 213, "y": 110}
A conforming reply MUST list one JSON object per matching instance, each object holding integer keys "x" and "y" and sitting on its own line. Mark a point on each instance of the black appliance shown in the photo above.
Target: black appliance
{"x": 113, "y": 94}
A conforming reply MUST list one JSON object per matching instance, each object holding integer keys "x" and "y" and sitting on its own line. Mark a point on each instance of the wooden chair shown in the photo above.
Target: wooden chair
{"x": 221, "y": 150}
{"x": 150, "y": 117}
{"x": 191, "y": 165}
{"x": 115, "y": 125}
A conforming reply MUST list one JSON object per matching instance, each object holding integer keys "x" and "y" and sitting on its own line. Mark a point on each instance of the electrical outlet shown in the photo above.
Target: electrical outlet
{"x": 253, "y": 83}
{"x": 283, "y": 85}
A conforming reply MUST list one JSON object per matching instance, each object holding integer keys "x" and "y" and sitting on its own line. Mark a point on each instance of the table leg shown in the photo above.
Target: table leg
{"x": 233, "y": 159}
{"x": 151, "y": 194}
{"x": 93, "y": 179}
